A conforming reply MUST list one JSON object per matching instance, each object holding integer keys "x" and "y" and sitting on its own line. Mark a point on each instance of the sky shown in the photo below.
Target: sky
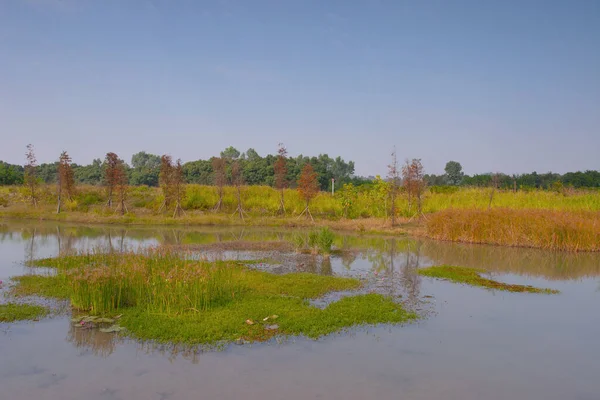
{"x": 511, "y": 86}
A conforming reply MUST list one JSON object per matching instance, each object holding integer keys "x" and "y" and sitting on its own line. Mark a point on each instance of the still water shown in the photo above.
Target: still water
{"x": 473, "y": 344}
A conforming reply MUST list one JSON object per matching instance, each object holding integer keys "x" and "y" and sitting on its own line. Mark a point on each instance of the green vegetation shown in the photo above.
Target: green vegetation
{"x": 472, "y": 277}
{"x": 50, "y": 286}
{"x": 165, "y": 297}
{"x": 11, "y": 312}
{"x": 553, "y": 230}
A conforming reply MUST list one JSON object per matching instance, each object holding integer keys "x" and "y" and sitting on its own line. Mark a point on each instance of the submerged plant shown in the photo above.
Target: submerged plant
{"x": 472, "y": 276}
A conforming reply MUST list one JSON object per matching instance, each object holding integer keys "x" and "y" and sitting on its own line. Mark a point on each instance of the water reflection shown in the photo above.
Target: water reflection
{"x": 380, "y": 255}
{"x": 86, "y": 339}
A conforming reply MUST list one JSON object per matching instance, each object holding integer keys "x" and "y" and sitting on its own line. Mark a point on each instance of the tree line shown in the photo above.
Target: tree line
{"x": 226, "y": 169}
{"x": 144, "y": 169}
{"x": 454, "y": 176}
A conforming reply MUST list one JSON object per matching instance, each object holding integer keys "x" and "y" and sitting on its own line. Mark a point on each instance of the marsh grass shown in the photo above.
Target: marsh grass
{"x": 51, "y": 286}
{"x": 472, "y": 277}
{"x": 547, "y": 229}
{"x": 316, "y": 241}
{"x": 11, "y": 312}
{"x": 166, "y": 297}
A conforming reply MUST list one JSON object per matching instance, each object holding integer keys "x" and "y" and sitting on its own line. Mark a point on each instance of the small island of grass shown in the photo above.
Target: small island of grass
{"x": 162, "y": 296}
{"x": 472, "y": 277}
{"x": 11, "y": 312}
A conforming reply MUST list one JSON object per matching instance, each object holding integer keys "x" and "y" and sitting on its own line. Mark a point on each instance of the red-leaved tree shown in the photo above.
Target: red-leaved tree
{"x": 308, "y": 187}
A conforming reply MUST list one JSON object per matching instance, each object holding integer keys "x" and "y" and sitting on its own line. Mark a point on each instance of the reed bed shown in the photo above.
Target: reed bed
{"x": 546, "y": 229}
{"x": 158, "y": 281}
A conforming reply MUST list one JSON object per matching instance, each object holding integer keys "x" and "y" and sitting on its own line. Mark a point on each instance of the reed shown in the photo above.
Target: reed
{"x": 156, "y": 280}
{"x": 547, "y": 229}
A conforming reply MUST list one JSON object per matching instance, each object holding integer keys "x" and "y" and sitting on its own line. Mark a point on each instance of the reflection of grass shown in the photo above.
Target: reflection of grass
{"x": 18, "y": 312}
{"x": 164, "y": 297}
{"x": 472, "y": 276}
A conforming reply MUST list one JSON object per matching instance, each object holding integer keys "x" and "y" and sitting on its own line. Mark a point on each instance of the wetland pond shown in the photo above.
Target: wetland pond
{"x": 471, "y": 343}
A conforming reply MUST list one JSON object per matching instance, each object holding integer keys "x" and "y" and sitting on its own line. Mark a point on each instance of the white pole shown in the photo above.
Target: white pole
{"x": 332, "y": 186}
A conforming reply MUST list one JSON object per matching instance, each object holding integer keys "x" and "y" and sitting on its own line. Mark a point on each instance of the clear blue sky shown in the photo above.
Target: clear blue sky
{"x": 510, "y": 86}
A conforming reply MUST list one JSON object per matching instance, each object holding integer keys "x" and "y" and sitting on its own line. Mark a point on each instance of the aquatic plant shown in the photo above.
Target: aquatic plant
{"x": 11, "y": 312}
{"x": 472, "y": 277}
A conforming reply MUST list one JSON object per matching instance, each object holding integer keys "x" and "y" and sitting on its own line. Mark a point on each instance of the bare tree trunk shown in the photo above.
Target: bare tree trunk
{"x": 491, "y": 197}
{"x": 109, "y": 202}
{"x": 281, "y": 204}
{"x": 393, "y": 207}
{"x": 220, "y": 202}
{"x": 306, "y": 212}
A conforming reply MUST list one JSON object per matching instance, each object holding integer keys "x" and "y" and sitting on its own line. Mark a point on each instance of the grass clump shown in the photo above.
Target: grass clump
{"x": 547, "y": 229}
{"x": 19, "y": 312}
{"x": 52, "y": 286}
{"x": 318, "y": 241}
{"x": 166, "y": 297}
{"x": 472, "y": 277}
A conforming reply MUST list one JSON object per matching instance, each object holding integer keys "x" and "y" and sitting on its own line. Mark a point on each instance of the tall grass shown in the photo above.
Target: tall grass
{"x": 158, "y": 281}
{"x": 548, "y": 229}
{"x": 264, "y": 201}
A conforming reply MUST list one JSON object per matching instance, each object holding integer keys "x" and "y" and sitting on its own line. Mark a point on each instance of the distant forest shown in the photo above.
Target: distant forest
{"x": 256, "y": 170}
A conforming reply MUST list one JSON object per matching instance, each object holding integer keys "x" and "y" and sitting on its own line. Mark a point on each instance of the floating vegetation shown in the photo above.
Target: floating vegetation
{"x": 472, "y": 277}
{"x": 163, "y": 296}
{"x": 11, "y": 312}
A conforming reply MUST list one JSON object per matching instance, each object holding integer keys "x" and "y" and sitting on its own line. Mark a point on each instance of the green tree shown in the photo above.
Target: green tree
{"x": 145, "y": 169}
{"x": 230, "y": 153}
{"x": 454, "y": 173}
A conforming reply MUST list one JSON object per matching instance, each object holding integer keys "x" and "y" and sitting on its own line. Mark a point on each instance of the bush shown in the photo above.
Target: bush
{"x": 89, "y": 198}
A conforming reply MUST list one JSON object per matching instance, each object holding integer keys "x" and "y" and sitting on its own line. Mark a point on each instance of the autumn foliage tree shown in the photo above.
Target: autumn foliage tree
{"x": 308, "y": 187}
{"x": 112, "y": 166}
{"x": 413, "y": 177}
{"x": 219, "y": 166}
{"x": 178, "y": 183}
{"x": 120, "y": 181}
{"x": 65, "y": 179}
{"x": 280, "y": 170}
{"x": 30, "y": 177}
{"x": 165, "y": 181}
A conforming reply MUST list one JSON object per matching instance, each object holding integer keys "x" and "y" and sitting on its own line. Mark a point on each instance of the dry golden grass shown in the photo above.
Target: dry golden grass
{"x": 547, "y": 229}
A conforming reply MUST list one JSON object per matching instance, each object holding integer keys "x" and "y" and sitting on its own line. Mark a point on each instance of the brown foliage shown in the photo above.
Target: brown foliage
{"x": 165, "y": 179}
{"x": 112, "y": 164}
{"x": 414, "y": 183}
{"x": 66, "y": 177}
{"x": 308, "y": 184}
{"x": 280, "y": 168}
